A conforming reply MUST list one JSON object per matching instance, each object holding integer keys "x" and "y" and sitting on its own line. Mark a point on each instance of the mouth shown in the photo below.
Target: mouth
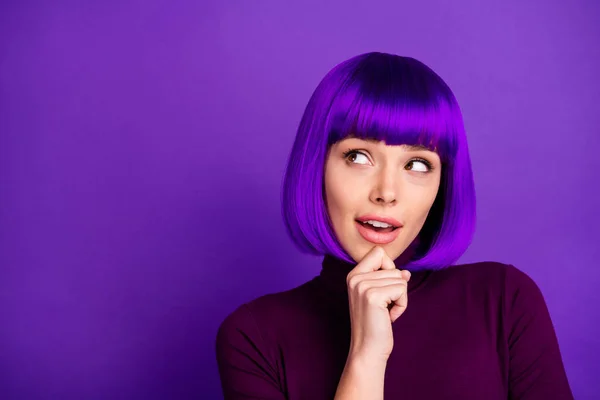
{"x": 378, "y": 227}
{"x": 378, "y": 233}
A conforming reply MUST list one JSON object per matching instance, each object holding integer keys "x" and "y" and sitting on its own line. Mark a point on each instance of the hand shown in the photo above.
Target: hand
{"x": 377, "y": 296}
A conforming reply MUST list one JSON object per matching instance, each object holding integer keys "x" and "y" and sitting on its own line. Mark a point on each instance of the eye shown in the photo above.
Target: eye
{"x": 354, "y": 155}
{"x": 419, "y": 165}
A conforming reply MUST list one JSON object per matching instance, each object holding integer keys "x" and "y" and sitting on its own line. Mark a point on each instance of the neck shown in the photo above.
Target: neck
{"x": 334, "y": 271}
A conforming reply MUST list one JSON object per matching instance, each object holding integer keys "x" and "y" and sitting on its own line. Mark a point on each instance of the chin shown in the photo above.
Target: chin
{"x": 363, "y": 248}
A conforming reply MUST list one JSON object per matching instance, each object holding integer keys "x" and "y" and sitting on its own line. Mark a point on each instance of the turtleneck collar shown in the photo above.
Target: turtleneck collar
{"x": 334, "y": 271}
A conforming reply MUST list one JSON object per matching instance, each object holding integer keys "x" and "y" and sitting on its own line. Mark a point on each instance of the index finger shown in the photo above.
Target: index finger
{"x": 387, "y": 262}
{"x": 372, "y": 261}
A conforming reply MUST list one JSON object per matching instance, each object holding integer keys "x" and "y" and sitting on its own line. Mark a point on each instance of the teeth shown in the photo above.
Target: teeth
{"x": 378, "y": 224}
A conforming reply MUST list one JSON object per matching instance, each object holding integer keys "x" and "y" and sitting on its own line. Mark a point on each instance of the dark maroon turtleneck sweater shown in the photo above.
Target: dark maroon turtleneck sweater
{"x": 474, "y": 331}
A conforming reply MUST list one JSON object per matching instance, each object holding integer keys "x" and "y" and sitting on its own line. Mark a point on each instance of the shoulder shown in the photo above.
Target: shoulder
{"x": 248, "y": 342}
{"x": 502, "y": 278}
{"x": 255, "y": 331}
{"x": 271, "y": 310}
{"x": 487, "y": 271}
{"x": 507, "y": 282}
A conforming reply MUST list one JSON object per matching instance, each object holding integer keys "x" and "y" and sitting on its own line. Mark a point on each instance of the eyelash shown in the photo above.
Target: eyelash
{"x": 424, "y": 161}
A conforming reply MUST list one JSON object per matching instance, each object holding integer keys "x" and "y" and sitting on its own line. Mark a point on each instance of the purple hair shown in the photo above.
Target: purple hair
{"x": 398, "y": 100}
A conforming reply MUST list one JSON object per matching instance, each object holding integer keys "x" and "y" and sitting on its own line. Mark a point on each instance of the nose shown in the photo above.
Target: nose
{"x": 385, "y": 188}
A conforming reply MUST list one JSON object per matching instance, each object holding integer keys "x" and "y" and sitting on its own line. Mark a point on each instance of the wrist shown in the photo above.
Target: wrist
{"x": 367, "y": 363}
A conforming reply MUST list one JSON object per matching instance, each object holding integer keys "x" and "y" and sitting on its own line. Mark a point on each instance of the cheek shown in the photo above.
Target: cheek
{"x": 339, "y": 202}
{"x": 343, "y": 203}
{"x": 421, "y": 205}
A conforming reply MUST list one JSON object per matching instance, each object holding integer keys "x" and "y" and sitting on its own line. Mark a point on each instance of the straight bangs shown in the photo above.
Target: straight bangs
{"x": 403, "y": 106}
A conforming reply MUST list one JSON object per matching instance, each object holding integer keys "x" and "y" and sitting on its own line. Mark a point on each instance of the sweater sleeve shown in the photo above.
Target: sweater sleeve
{"x": 536, "y": 369}
{"x": 244, "y": 367}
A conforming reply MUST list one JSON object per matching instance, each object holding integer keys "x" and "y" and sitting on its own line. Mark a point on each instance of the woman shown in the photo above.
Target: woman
{"x": 379, "y": 181}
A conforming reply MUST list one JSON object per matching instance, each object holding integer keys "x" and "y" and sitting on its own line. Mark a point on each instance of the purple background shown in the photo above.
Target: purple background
{"x": 142, "y": 146}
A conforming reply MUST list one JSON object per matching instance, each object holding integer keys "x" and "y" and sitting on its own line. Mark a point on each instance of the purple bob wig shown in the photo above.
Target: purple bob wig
{"x": 398, "y": 100}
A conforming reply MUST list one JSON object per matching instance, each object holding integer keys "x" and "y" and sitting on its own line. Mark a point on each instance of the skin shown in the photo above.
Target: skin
{"x": 386, "y": 181}
{"x": 382, "y": 180}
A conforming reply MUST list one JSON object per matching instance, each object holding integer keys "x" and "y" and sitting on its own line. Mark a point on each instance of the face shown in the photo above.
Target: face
{"x": 369, "y": 180}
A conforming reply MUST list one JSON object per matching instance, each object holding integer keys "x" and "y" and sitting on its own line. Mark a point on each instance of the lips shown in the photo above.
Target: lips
{"x": 377, "y": 237}
{"x": 381, "y": 218}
